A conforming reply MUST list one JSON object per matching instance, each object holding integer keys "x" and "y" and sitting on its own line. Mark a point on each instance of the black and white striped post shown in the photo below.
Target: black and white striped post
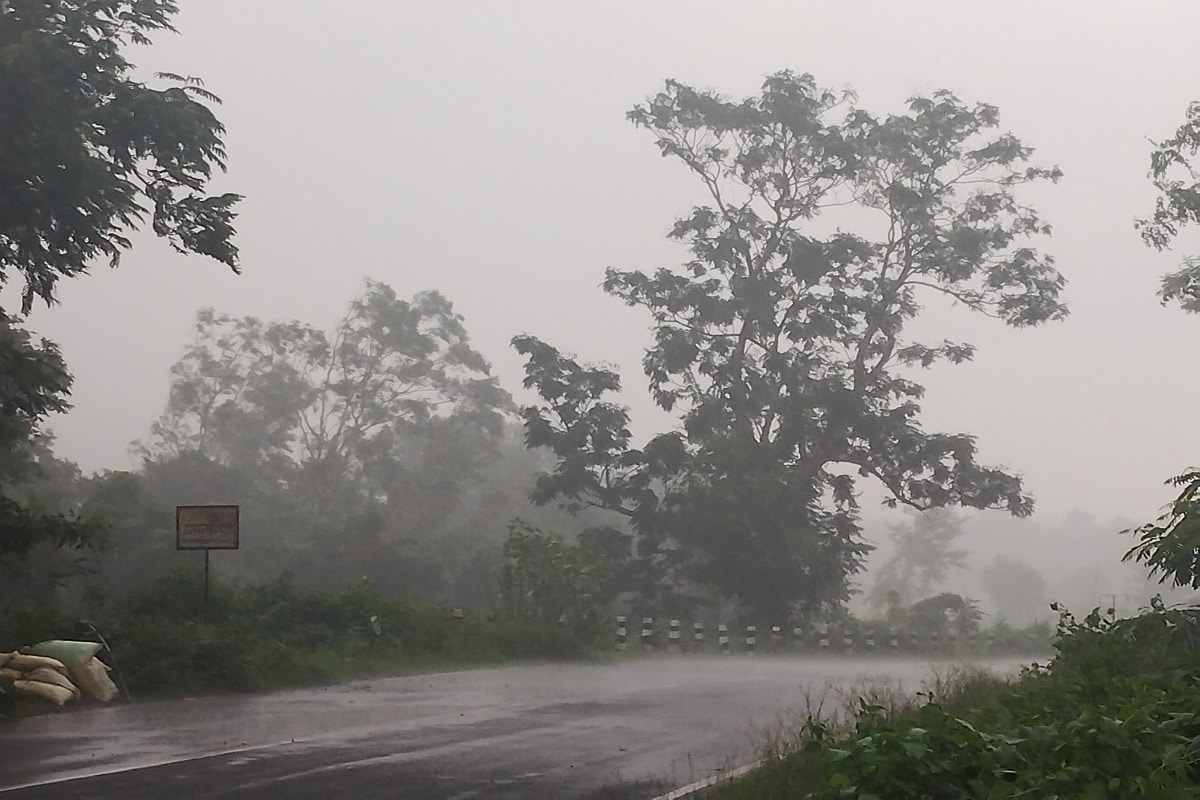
{"x": 697, "y": 635}
{"x": 847, "y": 641}
{"x": 797, "y": 637}
{"x": 776, "y": 636}
{"x": 823, "y": 635}
{"x": 869, "y": 641}
{"x": 622, "y": 634}
{"x": 751, "y": 638}
{"x": 648, "y": 632}
{"x": 894, "y": 641}
{"x": 673, "y": 635}
{"x": 723, "y": 638}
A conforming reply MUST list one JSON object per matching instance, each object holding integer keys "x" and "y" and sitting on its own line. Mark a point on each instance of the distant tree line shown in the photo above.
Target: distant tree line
{"x": 386, "y": 447}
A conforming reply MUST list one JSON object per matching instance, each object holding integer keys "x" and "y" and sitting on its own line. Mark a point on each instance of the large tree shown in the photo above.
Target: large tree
{"x": 386, "y": 415}
{"x": 87, "y": 154}
{"x": 923, "y": 553}
{"x": 781, "y": 344}
{"x": 1170, "y": 545}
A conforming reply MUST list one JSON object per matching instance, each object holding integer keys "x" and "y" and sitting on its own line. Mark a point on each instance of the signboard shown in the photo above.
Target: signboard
{"x": 206, "y": 527}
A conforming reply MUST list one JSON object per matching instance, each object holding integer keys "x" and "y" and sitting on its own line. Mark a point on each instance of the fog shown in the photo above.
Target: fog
{"x": 482, "y": 150}
{"x": 425, "y": 181}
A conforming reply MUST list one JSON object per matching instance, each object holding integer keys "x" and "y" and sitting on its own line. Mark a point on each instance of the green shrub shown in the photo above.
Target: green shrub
{"x": 22, "y": 626}
{"x": 1114, "y": 715}
{"x": 167, "y": 641}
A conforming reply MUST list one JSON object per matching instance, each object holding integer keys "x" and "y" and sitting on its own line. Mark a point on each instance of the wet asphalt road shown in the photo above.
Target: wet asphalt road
{"x": 619, "y": 732}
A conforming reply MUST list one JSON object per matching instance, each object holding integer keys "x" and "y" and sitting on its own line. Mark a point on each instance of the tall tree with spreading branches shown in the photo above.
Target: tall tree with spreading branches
{"x": 780, "y": 345}
{"x": 392, "y": 402}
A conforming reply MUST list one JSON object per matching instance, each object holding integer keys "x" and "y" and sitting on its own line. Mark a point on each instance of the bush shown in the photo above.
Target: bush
{"x": 167, "y": 641}
{"x": 1114, "y": 715}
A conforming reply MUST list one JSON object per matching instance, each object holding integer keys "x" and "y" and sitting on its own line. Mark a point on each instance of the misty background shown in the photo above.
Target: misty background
{"x": 481, "y": 150}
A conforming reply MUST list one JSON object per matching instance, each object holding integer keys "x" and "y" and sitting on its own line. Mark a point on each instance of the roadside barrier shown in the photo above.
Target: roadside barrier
{"x": 824, "y": 637}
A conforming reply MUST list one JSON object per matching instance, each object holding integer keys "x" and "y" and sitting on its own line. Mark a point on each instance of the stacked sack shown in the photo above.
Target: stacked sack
{"x": 58, "y": 672}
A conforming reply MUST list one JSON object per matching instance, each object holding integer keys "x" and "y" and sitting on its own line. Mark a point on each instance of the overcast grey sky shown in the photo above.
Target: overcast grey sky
{"x": 481, "y": 149}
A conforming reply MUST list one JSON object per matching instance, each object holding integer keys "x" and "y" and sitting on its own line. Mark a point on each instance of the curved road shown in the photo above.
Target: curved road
{"x": 620, "y": 731}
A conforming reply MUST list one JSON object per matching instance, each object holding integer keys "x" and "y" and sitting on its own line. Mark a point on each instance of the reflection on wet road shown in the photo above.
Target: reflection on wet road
{"x": 546, "y": 731}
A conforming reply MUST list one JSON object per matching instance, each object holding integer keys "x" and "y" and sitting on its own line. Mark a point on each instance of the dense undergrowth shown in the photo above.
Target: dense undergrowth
{"x": 166, "y": 641}
{"x": 1115, "y": 714}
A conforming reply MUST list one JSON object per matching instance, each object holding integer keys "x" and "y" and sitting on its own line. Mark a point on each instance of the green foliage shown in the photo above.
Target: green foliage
{"x": 1170, "y": 546}
{"x": 34, "y": 383}
{"x": 1114, "y": 715}
{"x": 782, "y": 348}
{"x": 1174, "y": 175}
{"x": 944, "y": 614}
{"x": 544, "y": 578}
{"x": 166, "y": 641}
{"x": 88, "y": 153}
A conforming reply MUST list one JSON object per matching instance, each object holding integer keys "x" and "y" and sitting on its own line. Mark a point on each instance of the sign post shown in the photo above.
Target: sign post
{"x": 206, "y": 528}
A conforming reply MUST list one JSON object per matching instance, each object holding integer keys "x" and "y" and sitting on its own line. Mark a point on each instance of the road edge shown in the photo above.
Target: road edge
{"x": 691, "y": 790}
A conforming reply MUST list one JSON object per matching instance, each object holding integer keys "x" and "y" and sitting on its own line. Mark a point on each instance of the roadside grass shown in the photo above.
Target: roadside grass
{"x": 1115, "y": 714}
{"x": 790, "y": 769}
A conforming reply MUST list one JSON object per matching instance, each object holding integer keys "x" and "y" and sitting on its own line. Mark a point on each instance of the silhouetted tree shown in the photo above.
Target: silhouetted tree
{"x": 781, "y": 347}
{"x": 362, "y": 439}
{"x": 924, "y": 553}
